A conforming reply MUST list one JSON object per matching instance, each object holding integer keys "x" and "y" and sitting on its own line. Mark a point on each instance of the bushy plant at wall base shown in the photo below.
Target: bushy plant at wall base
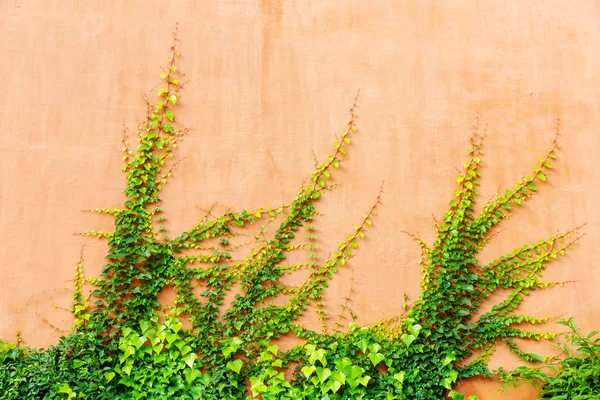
{"x": 126, "y": 346}
{"x": 573, "y": 375}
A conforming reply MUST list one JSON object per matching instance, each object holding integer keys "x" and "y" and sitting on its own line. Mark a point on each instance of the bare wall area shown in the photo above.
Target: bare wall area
{"x": 269, "y": 84}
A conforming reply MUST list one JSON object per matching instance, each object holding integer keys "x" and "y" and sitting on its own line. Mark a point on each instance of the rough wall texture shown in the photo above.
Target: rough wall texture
{"x": 269, "y": 82}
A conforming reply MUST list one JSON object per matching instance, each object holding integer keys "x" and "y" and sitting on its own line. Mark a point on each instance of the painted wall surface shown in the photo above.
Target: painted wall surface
{"x": 269, "y": 84}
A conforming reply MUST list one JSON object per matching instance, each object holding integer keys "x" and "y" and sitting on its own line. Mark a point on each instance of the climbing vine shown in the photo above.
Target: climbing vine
{"x": 218, "y": 340}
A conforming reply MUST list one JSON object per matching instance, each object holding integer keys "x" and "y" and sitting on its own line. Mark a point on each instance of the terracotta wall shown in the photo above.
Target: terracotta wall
{"x": 269, "y": 83}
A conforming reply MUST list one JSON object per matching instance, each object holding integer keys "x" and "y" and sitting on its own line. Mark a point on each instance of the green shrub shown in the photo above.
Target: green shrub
{"x": 72, "y": 368}
{"x": 576, "y": 370}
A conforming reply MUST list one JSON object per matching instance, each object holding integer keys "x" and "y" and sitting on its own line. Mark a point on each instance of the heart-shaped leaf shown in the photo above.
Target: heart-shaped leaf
{"x": 323, "y": 374}
{"x": 375, "y": 347}
{"x": 376, "y": 358}
{"x": 448, "y": 359}
{"x": 338, "y": 376}
{"x": 145, "y": 325}
{"x": 356, "y": 371}
{"x": 455, "y": 395}
{"x": 171, "y": 337}
{"x": 191, "y": 374}
{"x": 189, "y": 359}
{"x": 399, "y": 376}
{"x": 407, "y": 339}
{"x": 308, "y": 370}
{"x": 235, "y": 366}
{"x": 362, "y": 345}
{"x": 364, "y": 380}
{"x": 257, "y": 385}
{"x": 109, "y": 376}
{"x": 415, "y": 329}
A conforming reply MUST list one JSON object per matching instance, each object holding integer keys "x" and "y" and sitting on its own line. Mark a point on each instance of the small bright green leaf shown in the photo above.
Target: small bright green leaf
{"x": 235, "y": 366}
{"x": 541, "y": 177}
{"x": 109, "y": 376}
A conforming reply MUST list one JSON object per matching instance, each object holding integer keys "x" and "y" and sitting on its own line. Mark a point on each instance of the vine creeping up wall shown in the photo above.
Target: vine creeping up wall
{"x": 126, "y": 345}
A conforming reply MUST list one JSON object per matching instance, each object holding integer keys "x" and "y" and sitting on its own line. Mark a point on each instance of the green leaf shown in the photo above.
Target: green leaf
{"x": 455, "y": 395}
{"x": 169, "y": 115}
{"x": 127, "y": 368}
{"x": 399, "y": 376}
{"x": 364, "y": 380}
{"x": 376, "y": 358}
{"x": 235, "y": 366}
{"x": 109, "y": 376}
{"x": 323, "y": 374}
{"x": 463, "y": 312}
{"x": 446, "y": 383}
{"x": 137, "y": 341}
{"x": 363, "y": 344}
{"x": 536, "y": 357}
{"x": 145, "y": 325}
{"x": 308, "y": 370}
{"x": 415, "y": 329}
{"x": 374, "y": 347}
{"x": 257, "y": 385}
{"x": 407, "y": 339}
{"x": 191, "y": 374}
{"x": 339, "y": 376}
{"x": 189, "y": 359}
{"x": 171, "y": 337}
{"x": 65, "y": 388}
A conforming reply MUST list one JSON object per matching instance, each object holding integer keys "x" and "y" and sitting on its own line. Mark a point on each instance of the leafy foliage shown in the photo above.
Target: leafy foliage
{"x": 207, "y": 347}
{"x": 578, "y": 376}
{"x": 75, "y": 366}
{"x": 159, "y": 362}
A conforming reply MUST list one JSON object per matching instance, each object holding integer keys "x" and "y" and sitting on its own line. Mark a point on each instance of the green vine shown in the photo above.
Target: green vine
{"x": 126, "y": 345}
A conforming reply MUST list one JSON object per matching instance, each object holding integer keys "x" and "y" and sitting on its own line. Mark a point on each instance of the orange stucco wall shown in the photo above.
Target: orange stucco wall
{"x": 269, "y": 83}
